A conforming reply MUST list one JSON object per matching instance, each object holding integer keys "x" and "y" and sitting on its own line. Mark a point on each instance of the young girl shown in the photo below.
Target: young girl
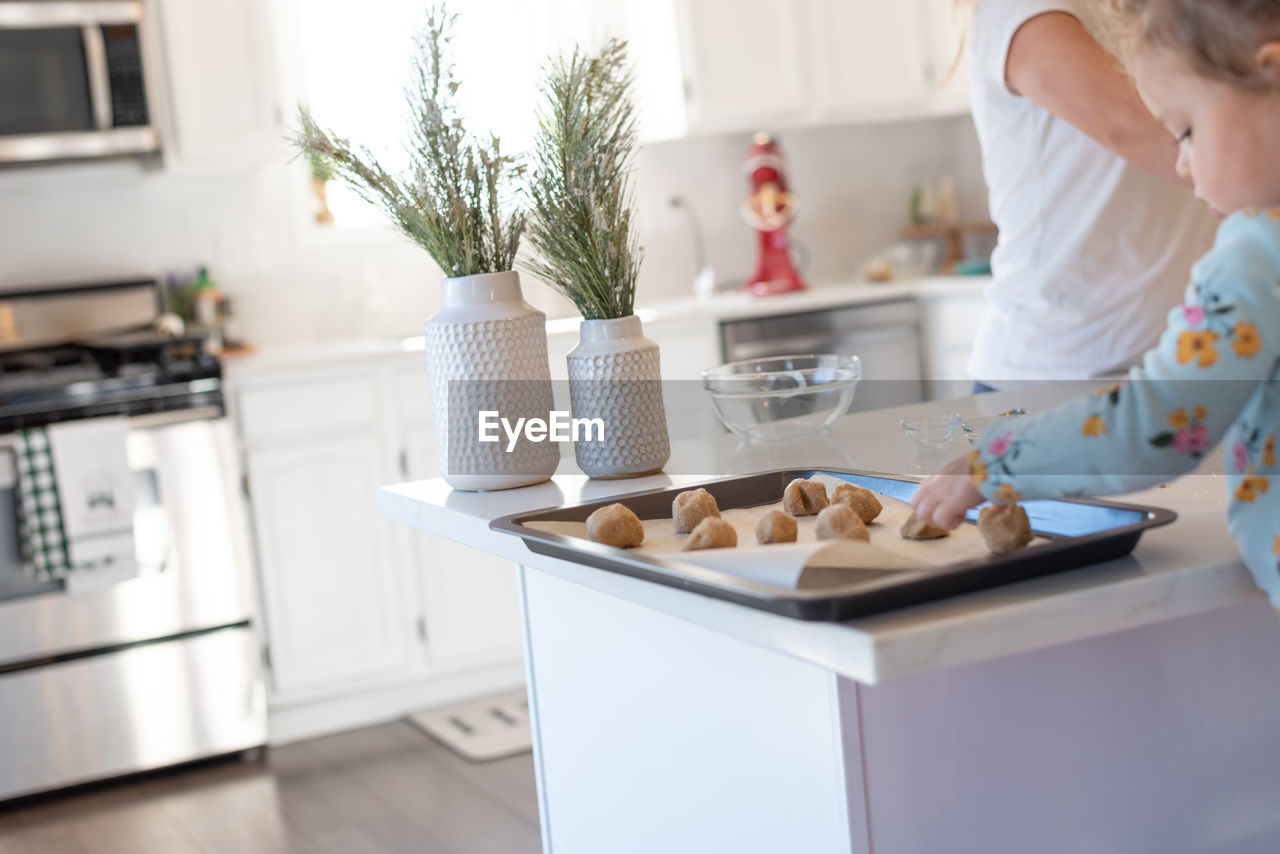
{"x": 1210, "y": 72}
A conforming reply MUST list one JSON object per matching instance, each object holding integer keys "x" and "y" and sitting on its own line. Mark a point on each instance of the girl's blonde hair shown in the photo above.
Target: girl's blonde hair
{"x": 1220, "y": 38}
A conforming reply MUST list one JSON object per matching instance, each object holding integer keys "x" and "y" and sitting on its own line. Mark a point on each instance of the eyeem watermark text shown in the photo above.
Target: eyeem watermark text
{"x": 560, "y": 427}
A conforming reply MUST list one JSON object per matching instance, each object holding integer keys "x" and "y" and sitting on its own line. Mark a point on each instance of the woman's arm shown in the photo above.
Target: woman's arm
{"x": 1053, "y": 61}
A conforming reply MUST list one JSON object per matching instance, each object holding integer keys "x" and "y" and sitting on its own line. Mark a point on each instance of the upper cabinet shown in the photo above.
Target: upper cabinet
{"x": 220, "y": 101}
{"x": 868, "y": 54}
{"x": 744, "y": 62}
{"x": 751, "y": 64}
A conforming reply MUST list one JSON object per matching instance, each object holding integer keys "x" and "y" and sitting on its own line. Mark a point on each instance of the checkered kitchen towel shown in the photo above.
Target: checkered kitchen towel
{"x": 42, "y": 534}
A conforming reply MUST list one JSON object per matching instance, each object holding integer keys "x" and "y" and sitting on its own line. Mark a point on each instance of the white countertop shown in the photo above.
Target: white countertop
{"x": 1181, "y": 569}
{"x": 682, "y": 312}
{"x": 737, "y": 305}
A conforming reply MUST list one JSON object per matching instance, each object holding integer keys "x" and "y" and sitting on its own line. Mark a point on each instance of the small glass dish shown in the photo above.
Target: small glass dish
{"x": 783, "y": 397}
{"x": 975, "y": 427}
{"x": 932, "y": 431}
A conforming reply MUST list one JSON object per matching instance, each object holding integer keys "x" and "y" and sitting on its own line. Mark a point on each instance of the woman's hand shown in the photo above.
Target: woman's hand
{"x": 943, "y": 499}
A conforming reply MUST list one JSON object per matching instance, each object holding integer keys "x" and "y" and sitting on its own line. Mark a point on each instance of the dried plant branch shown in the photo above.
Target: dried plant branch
{"x": 582, "y": 208}
{"x": 456, "y": 198}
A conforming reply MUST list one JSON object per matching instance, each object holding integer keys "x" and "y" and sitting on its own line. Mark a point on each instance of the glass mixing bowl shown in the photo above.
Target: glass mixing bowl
{"x": 781, "y": 398}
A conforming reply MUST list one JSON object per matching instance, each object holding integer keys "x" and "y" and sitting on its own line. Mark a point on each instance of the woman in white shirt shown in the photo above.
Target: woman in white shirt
{"x": 1097, "y": 232}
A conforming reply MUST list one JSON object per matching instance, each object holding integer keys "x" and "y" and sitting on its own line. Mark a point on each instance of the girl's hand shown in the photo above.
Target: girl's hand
{"x": 943, "y": 499}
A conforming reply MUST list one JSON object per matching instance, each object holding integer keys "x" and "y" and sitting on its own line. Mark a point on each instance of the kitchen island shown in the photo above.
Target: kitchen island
{"x": 1129, "y": 706}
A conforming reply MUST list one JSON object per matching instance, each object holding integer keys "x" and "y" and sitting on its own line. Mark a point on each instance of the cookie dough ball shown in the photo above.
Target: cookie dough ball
{"x": 615, "y": 525}
{"x": 712, "y": 533}
{"x": 839, "y": 522}
{"x": 776, "y": 527}
{"x": 804, "y": 497}
{"x": 918, "y": 529}
{"x": 1005, "y": 527}
{"x": 860, "y": 500}
{"x": 691, "y": 507}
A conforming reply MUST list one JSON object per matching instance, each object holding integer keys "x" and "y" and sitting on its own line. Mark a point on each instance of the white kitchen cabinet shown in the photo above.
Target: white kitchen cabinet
{"x": 950, "y": 323}
{"x": 776, "y": 63}
{"x": 469, "y": 599}
{"x": 219, "y": 106}
{"x": 686, "y": 347}
{"x": 744, "y": 61}
{"x": 333, "y": 583}
{"x": 870, "y": 53}
{"x": 364, "y": 621}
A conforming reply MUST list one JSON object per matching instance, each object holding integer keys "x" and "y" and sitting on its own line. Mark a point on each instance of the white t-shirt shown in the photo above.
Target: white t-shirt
{"x": 1093, "y": 251}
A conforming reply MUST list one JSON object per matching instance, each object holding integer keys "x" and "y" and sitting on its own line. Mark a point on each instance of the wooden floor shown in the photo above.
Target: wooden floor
{"x": 383, "y": 789}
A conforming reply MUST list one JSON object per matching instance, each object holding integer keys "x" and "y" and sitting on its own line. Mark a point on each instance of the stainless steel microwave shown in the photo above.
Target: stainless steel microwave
{"x": 72, "y": 82}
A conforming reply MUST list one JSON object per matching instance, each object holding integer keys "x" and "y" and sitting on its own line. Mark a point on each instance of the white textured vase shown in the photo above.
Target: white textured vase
{"x": 614, "y": 375}
{"x": 487, "y": 350}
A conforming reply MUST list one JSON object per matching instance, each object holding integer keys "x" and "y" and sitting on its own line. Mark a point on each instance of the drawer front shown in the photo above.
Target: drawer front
{"x": 139, "y": 708}
{"x": 308, "y": 407}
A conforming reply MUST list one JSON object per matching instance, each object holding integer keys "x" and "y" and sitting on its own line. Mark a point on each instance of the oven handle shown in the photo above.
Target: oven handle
{"x": 153, "y": 419}
{"x": 177, "y": 416}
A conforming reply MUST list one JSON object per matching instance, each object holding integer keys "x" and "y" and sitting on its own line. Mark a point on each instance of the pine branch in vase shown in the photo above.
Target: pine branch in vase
{"x": 582, "y": 207}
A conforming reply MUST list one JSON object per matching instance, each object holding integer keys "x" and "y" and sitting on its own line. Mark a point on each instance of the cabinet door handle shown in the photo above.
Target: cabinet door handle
{"x": 404, "y": 463}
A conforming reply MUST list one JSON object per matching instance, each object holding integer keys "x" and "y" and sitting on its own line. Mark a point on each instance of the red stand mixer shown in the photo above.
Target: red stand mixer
{"x": 769, "y": 209}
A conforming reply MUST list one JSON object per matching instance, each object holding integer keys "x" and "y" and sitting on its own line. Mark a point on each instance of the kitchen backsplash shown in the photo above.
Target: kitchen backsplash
{"x": 293, "y": 284}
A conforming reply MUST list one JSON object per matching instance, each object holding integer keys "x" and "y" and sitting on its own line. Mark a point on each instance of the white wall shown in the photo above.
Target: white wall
{"x": 295, "y": 284}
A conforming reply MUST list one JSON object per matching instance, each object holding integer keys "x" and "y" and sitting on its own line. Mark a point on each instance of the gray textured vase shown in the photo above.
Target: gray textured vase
{"x": 487, "y": 350}
{"x": 614, "y": 375}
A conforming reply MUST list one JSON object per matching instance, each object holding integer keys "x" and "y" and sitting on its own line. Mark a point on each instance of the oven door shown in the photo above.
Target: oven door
{"x": 71, "y": 81}
{"x": 190, "y": 542}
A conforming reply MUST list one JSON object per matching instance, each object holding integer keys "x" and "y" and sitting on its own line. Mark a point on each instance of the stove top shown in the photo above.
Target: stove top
{"x": 132, "y": 374}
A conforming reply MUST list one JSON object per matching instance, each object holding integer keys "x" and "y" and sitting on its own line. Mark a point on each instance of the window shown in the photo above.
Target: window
{"x": 356, "y": 60}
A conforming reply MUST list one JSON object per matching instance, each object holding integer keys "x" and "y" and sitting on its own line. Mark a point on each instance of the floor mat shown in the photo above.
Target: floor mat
{"x": 480, "y": 730}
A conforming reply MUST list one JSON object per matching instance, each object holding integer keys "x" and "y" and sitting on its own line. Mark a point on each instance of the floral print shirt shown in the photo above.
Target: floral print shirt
{"x": 1214, "y": 378}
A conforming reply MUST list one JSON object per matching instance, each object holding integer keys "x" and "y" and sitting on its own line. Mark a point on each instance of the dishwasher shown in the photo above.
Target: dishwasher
{"x": 885, "y": 336}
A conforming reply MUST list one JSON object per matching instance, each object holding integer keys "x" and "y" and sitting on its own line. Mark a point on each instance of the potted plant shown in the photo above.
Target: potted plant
{"x": 582, "y": 224}
{"x": 486, "y": 348}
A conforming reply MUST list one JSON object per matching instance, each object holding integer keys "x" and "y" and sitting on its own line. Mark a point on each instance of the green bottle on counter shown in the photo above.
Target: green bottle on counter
{"x": 208, "y": 299}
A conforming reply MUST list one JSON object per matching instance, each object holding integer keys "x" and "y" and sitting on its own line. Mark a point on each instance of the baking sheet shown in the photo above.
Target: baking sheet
{"x": 784, "y": 565}
{"x": 811, "y": 580}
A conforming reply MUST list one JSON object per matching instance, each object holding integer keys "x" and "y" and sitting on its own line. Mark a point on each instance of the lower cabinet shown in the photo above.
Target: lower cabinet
{"x": 333, "y": 580}
{"x": 950, "y": 323}
{"x": 364, "y": 620}
{"x": 469, "y": 598}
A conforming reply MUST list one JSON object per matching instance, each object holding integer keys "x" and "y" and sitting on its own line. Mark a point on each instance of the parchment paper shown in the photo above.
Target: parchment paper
{"x": 783, "y": 564}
